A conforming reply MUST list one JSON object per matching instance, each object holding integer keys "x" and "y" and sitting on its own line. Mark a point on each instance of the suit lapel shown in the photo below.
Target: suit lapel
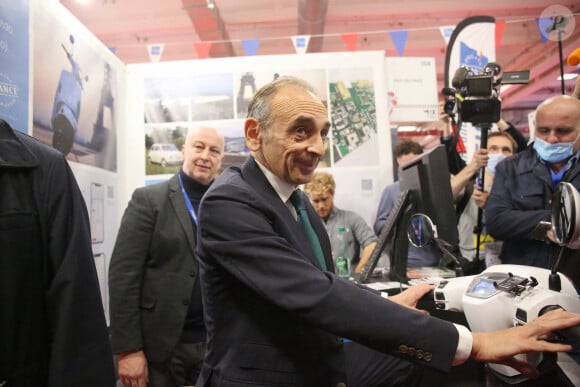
{"x": 181, "y": 212}
{"x": 322, "y": 235}
{"x": 254, "y": 176}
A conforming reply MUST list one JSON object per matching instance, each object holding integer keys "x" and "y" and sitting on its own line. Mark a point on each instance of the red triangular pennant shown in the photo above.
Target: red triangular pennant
{"x": 202, "y": 49}
{"x": 350, "y": 41}
{"x": 499, "y": 27}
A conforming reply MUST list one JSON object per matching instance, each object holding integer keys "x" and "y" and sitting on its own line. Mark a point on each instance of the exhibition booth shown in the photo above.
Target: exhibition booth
{"x": 71, "y": 92}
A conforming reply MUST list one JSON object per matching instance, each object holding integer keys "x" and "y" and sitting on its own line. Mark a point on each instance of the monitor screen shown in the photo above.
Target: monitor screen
{"x": 427, "y": 177}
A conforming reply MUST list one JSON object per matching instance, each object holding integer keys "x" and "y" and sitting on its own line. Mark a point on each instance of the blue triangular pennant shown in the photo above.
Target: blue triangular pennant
{"x": 251, "y": 46}
{"x": 543, "y": 24}
{"x": 399, "y": 39}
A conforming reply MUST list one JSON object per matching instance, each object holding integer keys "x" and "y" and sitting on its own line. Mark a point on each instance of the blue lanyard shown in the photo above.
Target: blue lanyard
{"x": 187, "y": 201}
{"x": 557, "y": 177}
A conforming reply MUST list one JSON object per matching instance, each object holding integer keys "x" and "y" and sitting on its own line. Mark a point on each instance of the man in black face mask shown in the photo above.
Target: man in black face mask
{"x": 524, "y": 184}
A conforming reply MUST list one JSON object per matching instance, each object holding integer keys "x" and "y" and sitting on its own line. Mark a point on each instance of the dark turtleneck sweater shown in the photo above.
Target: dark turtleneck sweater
{"x": 194, "y": 327}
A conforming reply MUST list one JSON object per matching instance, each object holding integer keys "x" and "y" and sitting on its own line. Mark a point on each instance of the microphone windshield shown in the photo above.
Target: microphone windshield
{"x": 448, "y": 91}
{"x": 459, "y": 77}
{"x": 574, "y": 58}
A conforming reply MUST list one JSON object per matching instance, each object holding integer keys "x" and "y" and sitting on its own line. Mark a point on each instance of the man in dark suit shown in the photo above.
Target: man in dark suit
{"x": 157, "y": 323}
{"x": 274, "y": 315}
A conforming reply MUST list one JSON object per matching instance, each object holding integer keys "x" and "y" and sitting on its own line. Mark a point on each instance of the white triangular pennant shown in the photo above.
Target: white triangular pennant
{"x": 300, "y": 43}
{"x": 155, "y": 51}
{"x": 446, "y": 32}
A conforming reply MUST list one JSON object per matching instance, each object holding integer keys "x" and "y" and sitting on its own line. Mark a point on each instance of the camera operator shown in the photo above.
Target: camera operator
{"x": 478, "y": 103}
{"x": 456, "y": 163}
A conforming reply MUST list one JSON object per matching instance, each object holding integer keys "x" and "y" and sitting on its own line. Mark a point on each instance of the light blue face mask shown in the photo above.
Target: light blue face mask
{"x": 552, "y": 153}
{"x": 494, "y": 159}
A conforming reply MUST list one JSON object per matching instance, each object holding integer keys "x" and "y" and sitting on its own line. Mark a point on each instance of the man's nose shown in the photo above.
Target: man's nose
{"x": 205, "y": 154}
{"x": 316, "y": 146}
{"x": 552, "y": 137}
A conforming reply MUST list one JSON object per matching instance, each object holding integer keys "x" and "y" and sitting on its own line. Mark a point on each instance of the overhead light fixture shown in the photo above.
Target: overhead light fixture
{"x": 568, "y": 76}
{"x": 210, "y": 4}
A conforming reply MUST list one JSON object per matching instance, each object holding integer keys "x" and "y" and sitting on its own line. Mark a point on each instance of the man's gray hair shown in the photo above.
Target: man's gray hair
{"x": 259, "y": 107}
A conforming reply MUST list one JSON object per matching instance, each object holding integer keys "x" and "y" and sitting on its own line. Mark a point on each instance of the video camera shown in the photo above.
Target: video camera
{"x": 477, "y": 94}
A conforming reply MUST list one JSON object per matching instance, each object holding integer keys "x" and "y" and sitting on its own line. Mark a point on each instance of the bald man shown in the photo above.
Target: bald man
{"x": 524, "y": 183}
{"x": 157, "y": 326}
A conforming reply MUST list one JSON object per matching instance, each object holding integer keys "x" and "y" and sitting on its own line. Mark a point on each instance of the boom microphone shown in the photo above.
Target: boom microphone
{"x": 459, "y": 77}
{"x": 574, "y": 58}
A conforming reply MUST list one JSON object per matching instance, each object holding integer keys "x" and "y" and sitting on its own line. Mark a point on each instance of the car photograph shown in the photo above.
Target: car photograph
{"x": 165, "y": 154}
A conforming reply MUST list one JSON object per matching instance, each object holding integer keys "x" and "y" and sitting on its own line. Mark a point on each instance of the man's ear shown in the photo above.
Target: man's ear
{"x": 253, "y": 134}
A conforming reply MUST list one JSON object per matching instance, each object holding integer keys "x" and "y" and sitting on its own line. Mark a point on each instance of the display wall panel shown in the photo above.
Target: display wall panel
{"x": 78, "y": 108}
{"x": 351, "y": 84}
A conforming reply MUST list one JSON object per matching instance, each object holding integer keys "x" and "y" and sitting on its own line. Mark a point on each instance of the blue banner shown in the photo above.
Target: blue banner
{"x": 14, "y": 55}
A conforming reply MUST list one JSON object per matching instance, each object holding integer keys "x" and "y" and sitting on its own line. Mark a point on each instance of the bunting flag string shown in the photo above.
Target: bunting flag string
{"x": 350, "y": 40}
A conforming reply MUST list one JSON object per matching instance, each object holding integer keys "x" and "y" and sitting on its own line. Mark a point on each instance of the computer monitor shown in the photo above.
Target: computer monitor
{"x": 427, "y": 178}
{"x": 394, "y": 220}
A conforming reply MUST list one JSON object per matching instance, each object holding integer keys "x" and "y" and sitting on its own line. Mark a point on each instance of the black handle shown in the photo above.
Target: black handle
{"x": 569, "y": 335}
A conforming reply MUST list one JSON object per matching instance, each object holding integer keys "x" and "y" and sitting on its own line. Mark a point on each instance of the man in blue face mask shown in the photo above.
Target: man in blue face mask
{"x": 524, "y": 184}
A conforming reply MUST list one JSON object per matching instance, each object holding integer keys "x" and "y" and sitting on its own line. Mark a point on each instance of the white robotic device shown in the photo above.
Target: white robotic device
{"x": 503, "y": 296}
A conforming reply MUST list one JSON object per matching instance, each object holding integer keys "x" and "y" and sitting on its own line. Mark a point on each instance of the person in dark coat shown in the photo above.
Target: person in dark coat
{"x": 524, "y": 184}
{"x": 52, "y": 324}
{"x": 157, "y": 322}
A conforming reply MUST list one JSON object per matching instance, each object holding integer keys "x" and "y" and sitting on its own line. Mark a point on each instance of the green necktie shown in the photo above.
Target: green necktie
{"x": 297, "y": 200}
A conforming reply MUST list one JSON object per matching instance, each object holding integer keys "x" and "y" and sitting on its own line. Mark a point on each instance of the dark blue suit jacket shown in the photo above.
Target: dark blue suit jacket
{"x": 273, "y": 316}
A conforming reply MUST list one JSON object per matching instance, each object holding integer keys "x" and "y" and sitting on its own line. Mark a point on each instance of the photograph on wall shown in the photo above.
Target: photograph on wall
{"x": 247, "y": 83}
{"x": 75, "y": 108}
{"x": 188, "y": 98}
{"x": 14, "y": 47}
{"x": 353, "y": 117}
{"x": 163, "y": 144}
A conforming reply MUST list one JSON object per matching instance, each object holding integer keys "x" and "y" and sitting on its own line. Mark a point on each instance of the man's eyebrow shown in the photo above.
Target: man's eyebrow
{"x": 309, "y": 120}
{"x": 303, "y": 119}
